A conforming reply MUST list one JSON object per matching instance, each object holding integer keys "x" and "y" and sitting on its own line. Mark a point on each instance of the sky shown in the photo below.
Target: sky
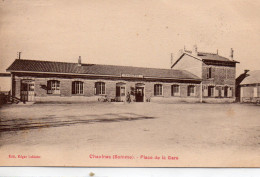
{"x": 128, "y": 32}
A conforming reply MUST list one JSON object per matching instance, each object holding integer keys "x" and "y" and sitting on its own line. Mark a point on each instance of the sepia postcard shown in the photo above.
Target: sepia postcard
{"x": 120, "y": 83}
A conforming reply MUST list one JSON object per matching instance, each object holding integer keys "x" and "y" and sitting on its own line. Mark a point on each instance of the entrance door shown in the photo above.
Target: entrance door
{"x": 139, "y": 95}
{"x": 27, "y": 90}
{"x": 120, "y": 92}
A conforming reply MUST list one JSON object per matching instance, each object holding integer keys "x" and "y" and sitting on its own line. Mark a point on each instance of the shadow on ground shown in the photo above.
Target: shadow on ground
{"x": 18, "y": 124}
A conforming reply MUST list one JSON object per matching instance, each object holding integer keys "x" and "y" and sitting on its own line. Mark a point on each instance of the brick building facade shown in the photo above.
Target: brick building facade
{"x": 218, "y": 73}
{"x": 44, "y": 81}
{"x": 193, "y": 77}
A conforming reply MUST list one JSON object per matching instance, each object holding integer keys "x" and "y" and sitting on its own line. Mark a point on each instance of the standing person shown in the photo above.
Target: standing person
{"x": 128, "y": 98}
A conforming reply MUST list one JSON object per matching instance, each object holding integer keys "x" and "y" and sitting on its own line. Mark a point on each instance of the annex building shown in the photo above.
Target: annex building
{"x": 217, "y": 73}
{"x": 194, "y": 78}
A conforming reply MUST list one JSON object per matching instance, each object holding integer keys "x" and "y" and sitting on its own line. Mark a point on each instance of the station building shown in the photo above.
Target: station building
{"x": 194, "y": 77}
{"x": 46, "y": 81}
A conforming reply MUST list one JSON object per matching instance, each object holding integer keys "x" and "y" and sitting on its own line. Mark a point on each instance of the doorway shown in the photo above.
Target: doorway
{"x": 120, "y": 92}
{"x": 139, "y": 95}
{"x": 27, "y": 90}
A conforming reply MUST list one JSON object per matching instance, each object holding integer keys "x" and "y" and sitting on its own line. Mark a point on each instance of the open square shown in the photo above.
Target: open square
{"x": 198, "y": 134}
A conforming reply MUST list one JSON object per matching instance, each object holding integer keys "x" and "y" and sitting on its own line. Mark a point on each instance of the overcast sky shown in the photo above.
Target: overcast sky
{"x": 128, "y": 32}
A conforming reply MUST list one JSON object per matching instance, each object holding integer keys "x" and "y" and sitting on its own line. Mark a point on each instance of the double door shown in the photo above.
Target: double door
{"x": 120, "y": 93}
{"x": 27, "y": 91}
{"x": 139, "y": 95}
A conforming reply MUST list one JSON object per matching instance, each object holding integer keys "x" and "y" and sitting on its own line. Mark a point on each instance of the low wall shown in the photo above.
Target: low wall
{"x": 175, "y": 99}
{"x": 67, "y": 99}
{"x": 219, "y": 100}
{"x": 250, "y": 99}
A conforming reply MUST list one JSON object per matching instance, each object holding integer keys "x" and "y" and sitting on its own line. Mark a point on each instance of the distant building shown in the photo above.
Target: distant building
{"x": 239, "y": 79}
{"x": 5, "y": 82}
{"x": 5, "y": 87}
{"x": 218, "y": 73}
{"x": 250, "y": 87}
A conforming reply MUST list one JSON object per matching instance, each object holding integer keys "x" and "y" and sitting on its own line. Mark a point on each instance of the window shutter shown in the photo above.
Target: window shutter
{"x": 255, "y": 91}
{"x": 222, "y": 91}
{"x": 229, "y": 92}
{"x": 195, "y": 91}
{"x": 205, "y": 91}
{"x": 216, "y": 92}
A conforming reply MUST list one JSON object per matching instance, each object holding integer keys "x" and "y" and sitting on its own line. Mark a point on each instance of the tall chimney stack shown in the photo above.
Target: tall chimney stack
{"x": 232, "y": 53}
{"x": 79, "y": 61}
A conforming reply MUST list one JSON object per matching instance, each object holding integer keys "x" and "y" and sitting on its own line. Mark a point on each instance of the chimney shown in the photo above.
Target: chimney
{"x": 217, "y": 52}
{"x": 195, "y": 50}
{"x": 79, "y": 61}
{"x": 232, "y": 53}
{"x": 19, "y": 55}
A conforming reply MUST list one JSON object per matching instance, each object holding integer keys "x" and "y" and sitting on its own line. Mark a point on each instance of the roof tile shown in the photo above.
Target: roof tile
{"x": 96, "y": 69}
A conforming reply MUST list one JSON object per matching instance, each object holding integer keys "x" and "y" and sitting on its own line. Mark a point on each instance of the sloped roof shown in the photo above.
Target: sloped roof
{"x": 213, "y": 56}
{"x": 97, "y": 69}
{"x": 252, "y": 78}
{"x": 202, "y": 56}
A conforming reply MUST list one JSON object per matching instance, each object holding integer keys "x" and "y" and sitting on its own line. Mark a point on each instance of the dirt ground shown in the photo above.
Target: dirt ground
{"x": 187, "y": 135}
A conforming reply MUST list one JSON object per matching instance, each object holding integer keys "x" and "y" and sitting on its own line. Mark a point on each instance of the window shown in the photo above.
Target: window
{"x": 255, "y": 92}
{"x": 191, "y": 90}
{"x": 226, "y": 91}
{"x": 158, "y": 90}
{"x": 211, "y": 91}
{"x": 99, "y": 88}
{"x": 209, "y": 73}
{"x": 230, "y": 94}
{"x": 175, "y": 90}
{"x": 77, "y": 88}
{"x": 53, "y": 87}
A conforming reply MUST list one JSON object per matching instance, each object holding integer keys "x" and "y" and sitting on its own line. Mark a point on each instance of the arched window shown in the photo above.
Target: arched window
{"x": 158, "y": 90}
{"x": 175, "y": 90}
{"x": 100, "y": 88}
{"x": 77, "y": 87}
{"x": 53, "y": 87}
